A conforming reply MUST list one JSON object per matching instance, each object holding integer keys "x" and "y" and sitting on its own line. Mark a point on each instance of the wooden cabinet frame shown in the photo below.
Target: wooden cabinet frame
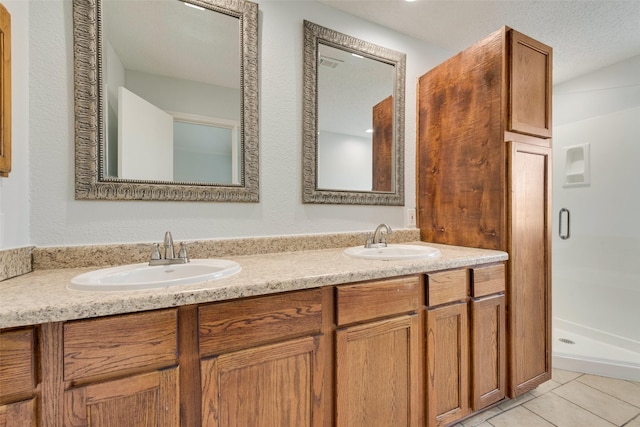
{"x": 5, "y": 92}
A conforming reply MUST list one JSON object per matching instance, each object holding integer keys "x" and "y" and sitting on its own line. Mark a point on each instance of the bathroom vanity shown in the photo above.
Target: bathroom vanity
{"x": 301, "y": 338}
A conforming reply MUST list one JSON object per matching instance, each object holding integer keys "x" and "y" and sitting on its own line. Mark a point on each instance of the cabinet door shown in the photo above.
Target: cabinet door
{"x": 530, "y": 86}
{"x": 529, "y": 287}
{"x": 272, "y": 386}
{"x": 488, "y": 351}
{"x": 17, "y": 378}
{"x": 447, "y": 364}
{"x": 144, "y": 400}
{"x": 377, "y": 374}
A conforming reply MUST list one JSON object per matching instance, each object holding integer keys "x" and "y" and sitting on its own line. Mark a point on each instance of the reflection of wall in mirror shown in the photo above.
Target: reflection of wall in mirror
{"x": 344, "y": 162}
{"x": 145, "y": 139}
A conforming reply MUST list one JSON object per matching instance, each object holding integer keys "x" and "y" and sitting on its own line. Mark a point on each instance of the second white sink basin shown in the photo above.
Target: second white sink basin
{"x": 393, "y": 252}
{"x": 144, "y": 276}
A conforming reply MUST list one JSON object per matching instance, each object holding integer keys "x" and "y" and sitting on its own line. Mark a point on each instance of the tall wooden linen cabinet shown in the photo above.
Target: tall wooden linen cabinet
{"x": 483, "y": 178}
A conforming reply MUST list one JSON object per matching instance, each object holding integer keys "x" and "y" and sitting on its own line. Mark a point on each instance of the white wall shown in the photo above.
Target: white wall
{"x": 58, "y": 219}
{"x": 595, "y": 272}
{"x": 14, "y": 190}
{"x": 345, "y": 162}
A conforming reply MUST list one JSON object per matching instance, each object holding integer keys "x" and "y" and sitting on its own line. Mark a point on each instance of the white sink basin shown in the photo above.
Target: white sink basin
{"x": 143, "y": 276}
{"x": 393, "y": 252}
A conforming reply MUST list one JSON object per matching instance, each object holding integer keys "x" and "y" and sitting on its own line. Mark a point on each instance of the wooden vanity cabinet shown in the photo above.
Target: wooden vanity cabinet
{"x": 121, "y": 370}
{"x": 266, "y": 361}
{"x": 465, "y": 342}
{"x": 483, "y": 153}
{"x": 378, "y": 354}
{"x": 18, "y": 378}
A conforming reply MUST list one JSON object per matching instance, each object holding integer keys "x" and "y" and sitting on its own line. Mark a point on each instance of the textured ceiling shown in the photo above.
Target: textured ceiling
{"x": 585, "y": 34}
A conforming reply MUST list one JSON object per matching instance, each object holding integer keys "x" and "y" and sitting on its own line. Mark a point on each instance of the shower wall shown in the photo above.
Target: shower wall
{"x": 596, "y": 279}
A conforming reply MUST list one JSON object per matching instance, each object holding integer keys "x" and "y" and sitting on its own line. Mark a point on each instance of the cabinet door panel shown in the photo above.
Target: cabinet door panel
{"x": 19, "y": 414}
{"x": 447, "y": 364}
{"x": 145, "y": 400}
{"x": 529, "y": 289}
{"x": 530, "y": 88}
{"x": 276, "y": 385}
{"x": 377, "y": 374}
{"x": 488, "y": 351}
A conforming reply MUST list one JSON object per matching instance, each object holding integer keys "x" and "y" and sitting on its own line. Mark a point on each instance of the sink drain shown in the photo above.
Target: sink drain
{"x": 566, "y": 340}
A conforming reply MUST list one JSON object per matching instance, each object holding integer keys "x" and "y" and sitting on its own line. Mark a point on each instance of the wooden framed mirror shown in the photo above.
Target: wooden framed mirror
{"x": 166, "y": 100}
{"x": 353, "y": 128}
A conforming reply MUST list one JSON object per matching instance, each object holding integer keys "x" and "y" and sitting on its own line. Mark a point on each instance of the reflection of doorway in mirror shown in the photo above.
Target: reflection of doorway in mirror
{"x": 206, "y": 149}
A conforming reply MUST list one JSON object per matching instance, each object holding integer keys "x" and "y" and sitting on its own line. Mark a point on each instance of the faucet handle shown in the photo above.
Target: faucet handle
{"x": 155, "y": 251}
{"x": 369, "y": 241}
{"x": 182, "y": 253}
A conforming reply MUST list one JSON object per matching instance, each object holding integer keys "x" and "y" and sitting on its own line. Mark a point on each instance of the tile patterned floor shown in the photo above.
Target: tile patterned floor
{"x": 569, "y": 399}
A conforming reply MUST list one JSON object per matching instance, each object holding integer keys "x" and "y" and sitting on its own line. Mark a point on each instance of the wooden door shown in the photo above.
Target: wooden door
{"x": 488, "y": 351}
{"x": 530, "y": 86}
{"x": 382, "y": 146}
{"x": 268, "y": 386}
{"x": 144, "y": 400}
{"x": 377, "y": 373}
{"x": 447, "y": 364}
{"x": 529, "y": 287}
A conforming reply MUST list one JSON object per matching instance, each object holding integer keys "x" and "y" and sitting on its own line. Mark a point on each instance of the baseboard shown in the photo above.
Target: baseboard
{"x": 605, "y": 368}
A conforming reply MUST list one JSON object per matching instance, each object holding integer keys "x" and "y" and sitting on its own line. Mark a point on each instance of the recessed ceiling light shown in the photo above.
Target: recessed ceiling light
{"x": 369, "y": 131}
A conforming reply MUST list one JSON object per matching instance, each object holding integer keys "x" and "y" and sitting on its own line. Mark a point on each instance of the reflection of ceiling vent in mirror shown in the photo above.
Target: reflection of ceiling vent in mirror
{"x": 329, "y": 62}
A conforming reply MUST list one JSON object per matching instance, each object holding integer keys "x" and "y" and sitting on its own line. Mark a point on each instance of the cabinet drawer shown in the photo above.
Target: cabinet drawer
{"x": 488, "y": 280}
{"x": 17, "y": 370}
{"x": 447, "y": 286}
{"x": 371, "y": 300}
{"x": 244, "y": 323}
{"x": 100, "y": 347}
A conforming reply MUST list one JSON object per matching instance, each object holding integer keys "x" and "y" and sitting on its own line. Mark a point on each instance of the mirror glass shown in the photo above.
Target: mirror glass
{"x": 354, "y": 120}
{"x": 176, "y": 111}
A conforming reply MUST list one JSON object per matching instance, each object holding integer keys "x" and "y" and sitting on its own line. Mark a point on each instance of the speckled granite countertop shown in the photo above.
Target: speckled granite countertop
{"x": 42, "y": 296}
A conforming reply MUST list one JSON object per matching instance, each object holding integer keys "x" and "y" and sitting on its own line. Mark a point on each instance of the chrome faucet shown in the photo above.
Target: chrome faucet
{"x": 169, "y": 252}
{"x": 379, "y": 240}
